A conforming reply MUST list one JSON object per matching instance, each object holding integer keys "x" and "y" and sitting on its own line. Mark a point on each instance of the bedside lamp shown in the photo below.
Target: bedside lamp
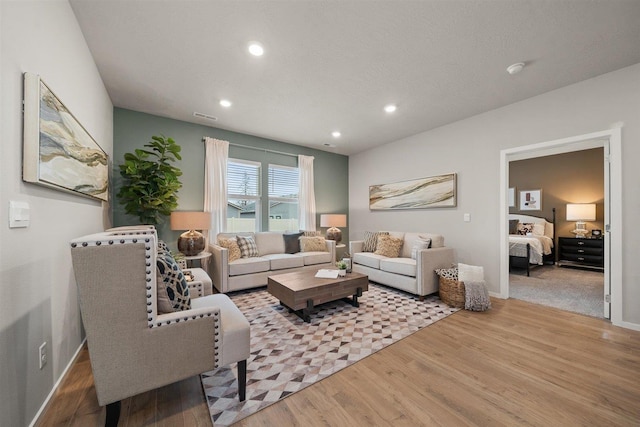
{"x": 191, "y": 242}
{"x": 333, "y": 221}
{"x": 581, "y": 212}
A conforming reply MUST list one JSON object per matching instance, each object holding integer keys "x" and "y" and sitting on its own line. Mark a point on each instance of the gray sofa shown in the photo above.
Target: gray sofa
{"x": 245, "y": 273}
{"x": 416, "y": 276}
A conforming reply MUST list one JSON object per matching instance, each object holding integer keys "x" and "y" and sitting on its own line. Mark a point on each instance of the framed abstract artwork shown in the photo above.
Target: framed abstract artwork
{"x": 531, "y": 200}
{"x": 433, "y": 192}
{"x": 58, "y": 151}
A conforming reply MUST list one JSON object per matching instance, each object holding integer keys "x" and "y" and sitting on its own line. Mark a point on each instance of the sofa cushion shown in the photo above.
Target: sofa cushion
{"x": 313, "y": 244}
{"x": 248, "y": 246}
{"x": 172, "y": 287}
{"x": 282, "y": 261}
{"x": 313, "y": 258}
{"x": 291, "y": 242}
{"x": 368, "y": 259}
{"x": 404, "y": 266}
{"x": 231, "y": 245}
{"x": 248, "y": 266}
{"x": 418, "y": 245}
{"x": 269, "y": 242}
{"x": 371, "y": 240}
{"x": 388, "y": 246}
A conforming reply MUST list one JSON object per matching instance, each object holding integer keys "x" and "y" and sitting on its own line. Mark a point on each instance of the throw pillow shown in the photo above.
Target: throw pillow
{"x": 389, "y": 246}
{"x": 513, "y": 226}
{"x": 162, "y": 247}
{"x": 371, "y": 240}
{"x": 232, "y": 246}
{"x": 248, "y": 247}
{"x": 173, "y": 291}
{"x": 524, "y": 228}
{"x": 312, "y": 233}
{"x": 538, "y": 229}
{"x": 448, "y": 273}
{"x": 313, "y": 244}
{"x": 470, "y": 273}
{"x": 292, "y": 242}
{"x": 419, "y": 244}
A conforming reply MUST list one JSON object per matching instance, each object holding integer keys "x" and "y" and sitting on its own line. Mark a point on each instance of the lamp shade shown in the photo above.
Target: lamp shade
{"x": 190, "y": 220}
{"x": 333, "y": 220}
{"x": 581, "y": 212}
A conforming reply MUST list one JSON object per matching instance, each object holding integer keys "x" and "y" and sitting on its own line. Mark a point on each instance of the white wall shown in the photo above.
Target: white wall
{"x": 471, "y": 148}
{"x": 38, "y": 294}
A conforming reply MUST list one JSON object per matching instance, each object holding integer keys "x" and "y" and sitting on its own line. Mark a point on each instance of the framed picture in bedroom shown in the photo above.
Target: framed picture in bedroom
{"x": 58, "y": 152}
{"x": 531, "y": 200}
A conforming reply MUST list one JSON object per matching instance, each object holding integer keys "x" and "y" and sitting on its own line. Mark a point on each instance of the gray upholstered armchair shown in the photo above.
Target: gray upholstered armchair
{"x": 134, "y": 349}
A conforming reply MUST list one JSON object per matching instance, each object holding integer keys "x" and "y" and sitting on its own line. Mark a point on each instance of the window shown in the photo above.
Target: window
{"x": 243, "y": 194}
{"x": 283, "y": 198}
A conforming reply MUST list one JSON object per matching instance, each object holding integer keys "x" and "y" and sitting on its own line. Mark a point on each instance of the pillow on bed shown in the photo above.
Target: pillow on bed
{"x": 538, "y": 229}
{"x": 524, "y": 228}
{"x": 513, "y": 226}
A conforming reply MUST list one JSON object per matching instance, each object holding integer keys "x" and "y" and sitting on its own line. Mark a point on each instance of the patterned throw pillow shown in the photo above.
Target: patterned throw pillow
{"x": 524, "y": 228}
{"x": 173, "y": 291}
{"x": 292, "y": 242}
{"x": 312, "y": 233}
{"x": 371, "y": 240}
{"x": 248, "y": 247}
{"x": 232, "y": 245}
{"x": 448, "y": 273}
{"x": 389, "y": 246}
{"x": 313, "y": 244}
{"x": 162, "y": 247}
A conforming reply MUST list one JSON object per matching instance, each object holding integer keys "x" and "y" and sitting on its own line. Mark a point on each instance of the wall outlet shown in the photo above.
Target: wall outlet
{"x": 42, "y": 354}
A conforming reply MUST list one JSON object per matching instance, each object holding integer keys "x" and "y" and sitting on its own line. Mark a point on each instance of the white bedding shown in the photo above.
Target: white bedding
{"x": 540, "y": 245}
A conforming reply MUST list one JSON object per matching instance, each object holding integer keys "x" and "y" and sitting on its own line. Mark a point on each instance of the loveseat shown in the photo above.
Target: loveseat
{"x": 409, "y": 265}
{"x": 277, "y": 253}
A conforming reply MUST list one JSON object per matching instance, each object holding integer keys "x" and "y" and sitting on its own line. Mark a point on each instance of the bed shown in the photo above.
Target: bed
{"x": 531, "y": 241}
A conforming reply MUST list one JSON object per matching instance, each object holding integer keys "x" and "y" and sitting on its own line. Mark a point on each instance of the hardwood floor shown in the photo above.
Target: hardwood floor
{"x": 517, "y": 364}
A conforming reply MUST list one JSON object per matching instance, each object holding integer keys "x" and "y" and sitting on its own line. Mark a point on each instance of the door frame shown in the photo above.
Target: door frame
{"x": 611, "y": 140}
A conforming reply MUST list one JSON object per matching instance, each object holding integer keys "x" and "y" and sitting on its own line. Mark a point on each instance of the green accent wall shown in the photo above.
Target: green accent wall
{"x": 132, "y": 129}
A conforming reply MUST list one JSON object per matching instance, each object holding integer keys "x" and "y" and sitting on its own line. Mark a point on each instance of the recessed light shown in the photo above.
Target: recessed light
{"x": 336, "y": 134}
{"x": 256, "y": 49}
{"x": 225, "y": 103}
{"x": 390, "y": 108}
{"x": 515, "y": 68}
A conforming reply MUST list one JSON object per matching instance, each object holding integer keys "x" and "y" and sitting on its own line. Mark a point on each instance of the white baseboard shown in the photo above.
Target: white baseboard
{"x": 628, "y": 325}
{"x": 57, "y": 384}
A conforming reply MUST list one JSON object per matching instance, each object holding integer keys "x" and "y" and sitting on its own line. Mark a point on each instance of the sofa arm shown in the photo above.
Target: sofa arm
{"x": 429, "y": 261}
{"x": 355, "y": 246}
{"x": 331, "y": 248}
{"x": 218, "y": 268}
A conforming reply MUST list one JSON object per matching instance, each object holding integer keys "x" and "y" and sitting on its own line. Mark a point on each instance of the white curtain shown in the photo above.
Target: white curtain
{"x": 307, "y": 195}
{"x": 215, "y": 184}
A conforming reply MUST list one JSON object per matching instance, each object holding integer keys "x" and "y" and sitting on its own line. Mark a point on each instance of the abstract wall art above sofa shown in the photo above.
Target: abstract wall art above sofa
{"x": 432, "y": 192}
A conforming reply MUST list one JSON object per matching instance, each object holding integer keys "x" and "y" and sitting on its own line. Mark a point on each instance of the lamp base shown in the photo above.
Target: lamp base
{"x": 581, "y": 229}
{"x": 334, "y": 233}
{"x": 191, "y": 243}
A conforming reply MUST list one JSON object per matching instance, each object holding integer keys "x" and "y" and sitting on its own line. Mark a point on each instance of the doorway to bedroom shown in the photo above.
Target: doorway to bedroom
{"x": 542, "y": 187}
{"x": 610, "y": 141}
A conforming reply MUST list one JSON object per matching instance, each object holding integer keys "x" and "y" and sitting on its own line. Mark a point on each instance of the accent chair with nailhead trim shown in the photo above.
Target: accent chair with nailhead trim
{"x": 134, "y": 349}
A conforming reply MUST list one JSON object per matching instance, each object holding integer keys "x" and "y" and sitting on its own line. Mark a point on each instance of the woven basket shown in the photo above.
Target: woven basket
{"x": 451, "y": 292}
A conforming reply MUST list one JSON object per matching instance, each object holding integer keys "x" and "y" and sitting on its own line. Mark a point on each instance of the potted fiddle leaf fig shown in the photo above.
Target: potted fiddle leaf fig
{"x": 150, "y": 180}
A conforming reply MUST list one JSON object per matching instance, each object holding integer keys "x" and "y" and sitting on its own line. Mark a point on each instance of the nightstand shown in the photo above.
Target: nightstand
{"x": 581, "y": 252}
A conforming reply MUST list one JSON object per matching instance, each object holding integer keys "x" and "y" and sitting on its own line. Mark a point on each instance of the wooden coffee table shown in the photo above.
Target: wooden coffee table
{"x": 300, "y": 291}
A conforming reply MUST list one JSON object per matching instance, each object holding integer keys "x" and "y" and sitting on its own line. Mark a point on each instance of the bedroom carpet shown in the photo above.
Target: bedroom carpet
{"x": 571, "y": 289}
{"x": 288, "y": 355}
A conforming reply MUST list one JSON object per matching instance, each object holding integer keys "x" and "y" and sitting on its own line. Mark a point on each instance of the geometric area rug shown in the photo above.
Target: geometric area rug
{"x": 288, "y": 354}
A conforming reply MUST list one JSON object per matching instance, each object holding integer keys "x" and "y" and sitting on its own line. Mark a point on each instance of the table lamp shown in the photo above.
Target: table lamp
{"x": 333, "y": 221}
{"x": 191, "y": 242}
{"x": 581, "y": 212}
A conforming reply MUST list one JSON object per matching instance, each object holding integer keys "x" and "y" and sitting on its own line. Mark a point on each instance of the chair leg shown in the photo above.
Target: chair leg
{"x": 242, "y": 380}
{"x": 113, "y": 414}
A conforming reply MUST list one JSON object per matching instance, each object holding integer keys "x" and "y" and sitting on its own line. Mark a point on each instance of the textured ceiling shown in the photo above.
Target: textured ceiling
{"x": 333, "y": 65}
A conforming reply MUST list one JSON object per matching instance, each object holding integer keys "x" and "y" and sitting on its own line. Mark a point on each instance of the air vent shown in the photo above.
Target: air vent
{"x": 205, "y": 116}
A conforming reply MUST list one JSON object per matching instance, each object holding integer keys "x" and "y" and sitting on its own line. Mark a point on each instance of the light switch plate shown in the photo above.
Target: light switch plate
{"x": 19, "y": 215}
{"x": 467, "y": 217}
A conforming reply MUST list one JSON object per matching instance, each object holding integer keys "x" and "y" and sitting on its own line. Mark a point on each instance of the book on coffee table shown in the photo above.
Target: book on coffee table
{"x": 327, "y": 274}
